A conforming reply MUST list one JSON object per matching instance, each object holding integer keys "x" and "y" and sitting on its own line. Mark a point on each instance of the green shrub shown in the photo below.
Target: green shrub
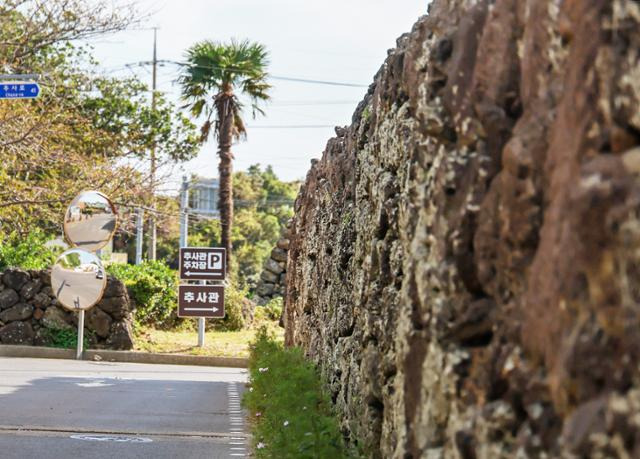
{"x": 273, "y": 309}
{"x": 65, "y": 338}
{"x": 153, "y": 286}
{"x": 233, "y": 302}
{"x": 292, "y": 412}
{"x": 27, "y": 252}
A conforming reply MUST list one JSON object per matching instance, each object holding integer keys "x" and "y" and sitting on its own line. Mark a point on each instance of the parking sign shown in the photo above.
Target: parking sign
{"x": 203, "y": 263}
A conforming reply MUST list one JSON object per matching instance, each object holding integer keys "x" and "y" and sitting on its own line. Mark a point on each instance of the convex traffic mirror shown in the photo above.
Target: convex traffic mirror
{"x": 78, "y": 279}
{"x": 90, "y": 221}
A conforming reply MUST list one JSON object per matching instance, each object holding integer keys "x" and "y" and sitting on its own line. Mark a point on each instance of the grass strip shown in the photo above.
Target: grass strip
{"x": 291, "y": 415}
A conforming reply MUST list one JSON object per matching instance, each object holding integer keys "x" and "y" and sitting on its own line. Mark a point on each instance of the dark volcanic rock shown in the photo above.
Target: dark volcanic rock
{"x": 99, "y": 321}
{"x": 20, "y": 311}
{"x": 16, "y": 333}
{"x": 30, "y": 289}
{"x": 121, "y": 336}
{"x": 114, "y": 288}
{"x": 462, "y": 264}
{"x": 8, "y": 297}
{"x": 15, "y": 278}
{"x": 117, "y": 307}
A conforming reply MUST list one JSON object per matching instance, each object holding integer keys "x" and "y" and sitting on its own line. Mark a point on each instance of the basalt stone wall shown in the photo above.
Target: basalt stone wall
{"x": 30, "y": 313}
{"x": 273, "y": 279}
{"x": 465, "y": 258}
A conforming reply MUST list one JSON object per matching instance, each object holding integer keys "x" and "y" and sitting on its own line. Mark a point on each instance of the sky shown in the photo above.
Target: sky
{"x": 343, "y": 41}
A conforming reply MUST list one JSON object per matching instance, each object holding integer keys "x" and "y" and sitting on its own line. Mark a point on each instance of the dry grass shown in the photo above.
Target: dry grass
{"x": 217, "y": 343}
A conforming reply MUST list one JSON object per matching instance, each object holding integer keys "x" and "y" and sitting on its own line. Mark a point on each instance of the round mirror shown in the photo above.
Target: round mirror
{"x": 90, "y": 221}
{"x": 78, "y": 279}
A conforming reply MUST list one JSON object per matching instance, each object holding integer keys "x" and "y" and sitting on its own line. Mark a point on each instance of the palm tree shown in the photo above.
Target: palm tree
{"x": 213, "y": 77}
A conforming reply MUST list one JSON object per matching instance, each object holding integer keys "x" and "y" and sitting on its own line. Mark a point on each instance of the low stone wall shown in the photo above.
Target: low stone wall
{"x": 29, "y": 311}
{"x": 273, "y": 280}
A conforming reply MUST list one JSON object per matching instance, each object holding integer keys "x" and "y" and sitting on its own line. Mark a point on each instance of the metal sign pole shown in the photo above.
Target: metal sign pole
{"x": 201, "y": 325}
{"x": 201, "y": 332}
{"x": 80, "y": 335}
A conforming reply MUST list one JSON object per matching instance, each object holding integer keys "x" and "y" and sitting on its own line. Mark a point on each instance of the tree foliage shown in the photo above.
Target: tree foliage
{"x": 85, "y": 130}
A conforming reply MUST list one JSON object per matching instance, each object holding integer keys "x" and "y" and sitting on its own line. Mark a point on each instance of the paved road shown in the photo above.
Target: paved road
{"x": 82, "y": 288}
{"x": 69, "y": 409}
{"x": 92, "y": 232}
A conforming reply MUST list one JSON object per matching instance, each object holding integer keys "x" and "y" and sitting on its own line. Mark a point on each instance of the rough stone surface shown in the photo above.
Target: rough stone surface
{"x": 57, "y": 318}
{"x": 8, "y": 297}
{"x": 20, "y": 311}
{"x": 40, "y": 309}
{"x": 120, "y": 336}
{"x": 464, "y": 261}
{"x": 16, "y": 333}
{"x": 41, "y": 300}
{"x": 15, "y": 278}
{"x": 273, "y": 277}
{"x": 99, "y": 321}
{"x": 30, "y": 289}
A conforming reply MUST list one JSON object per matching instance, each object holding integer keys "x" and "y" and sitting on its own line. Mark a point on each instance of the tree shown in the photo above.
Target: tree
{"x": 84, "y": 131}
{"x": 215, "y": 74}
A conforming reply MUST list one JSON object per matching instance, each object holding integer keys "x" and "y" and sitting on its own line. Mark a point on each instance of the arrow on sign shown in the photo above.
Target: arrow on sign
{"x": 202, "y": 309}
{"x": 190, "y": 273}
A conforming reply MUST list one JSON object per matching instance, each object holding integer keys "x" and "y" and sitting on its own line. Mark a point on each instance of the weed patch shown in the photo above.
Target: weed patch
{"x": 290, "y": 411}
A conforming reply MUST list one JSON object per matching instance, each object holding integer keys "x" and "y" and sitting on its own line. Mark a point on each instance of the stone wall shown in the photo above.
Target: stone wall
{"x": 29, "y": 311}
{"x": 465, "y": 261}
{"x": 273, "y": 278}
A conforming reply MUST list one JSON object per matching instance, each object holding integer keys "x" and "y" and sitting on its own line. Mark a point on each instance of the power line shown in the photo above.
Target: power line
{"x": 273, "y": 77}
{"x": 293, "y": 126}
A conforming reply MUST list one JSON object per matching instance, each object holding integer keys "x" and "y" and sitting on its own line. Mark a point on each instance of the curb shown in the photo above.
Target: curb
{"x": 122, "y": 356}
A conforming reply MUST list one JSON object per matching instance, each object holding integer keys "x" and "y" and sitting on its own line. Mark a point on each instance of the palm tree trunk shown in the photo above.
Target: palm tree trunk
{"x": 225, "y": 170}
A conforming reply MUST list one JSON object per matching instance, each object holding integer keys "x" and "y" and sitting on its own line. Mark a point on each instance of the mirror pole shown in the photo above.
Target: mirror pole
{"x": 80, "y": 335}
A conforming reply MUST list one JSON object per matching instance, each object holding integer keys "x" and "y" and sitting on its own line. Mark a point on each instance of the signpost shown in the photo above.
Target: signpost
{"x": 19, "y": 90}
{"x": 203, "y": 263}
{"x": 201, "y": 301}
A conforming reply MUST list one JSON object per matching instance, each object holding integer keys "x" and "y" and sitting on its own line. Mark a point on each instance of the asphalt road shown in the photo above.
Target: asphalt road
{"x": 69, "y": 409}
{"x": 81, "y": 287}
{"x": 92, "y": 232}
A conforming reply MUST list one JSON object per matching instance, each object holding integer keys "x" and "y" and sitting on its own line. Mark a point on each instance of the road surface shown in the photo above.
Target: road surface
{"x": 77, "y": 287}
{"x": 70, "y": 409}
{"x": 91, "y": 233}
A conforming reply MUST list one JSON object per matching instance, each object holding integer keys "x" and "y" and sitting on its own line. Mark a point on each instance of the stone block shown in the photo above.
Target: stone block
{"x": 17, "y": 333}
{"x": 20, "y": 311}
{"x": 265, "y": 290}
{"x": 99, "y": 321}
{"x": 30, "y": 289}
{"x": 15, "y": 278}
{"x": 279, "y": 254}
{"x": 268, "y": 276}
{"x": 55, "y": 317}
{"x": 273, "y": 266}
{"x": 41, "y": 300}
{"x": 117, "y": 307}
{"x": 114, "y": 288}
{"x": 121, "y": 336}
{"x": 283, "y": 244}
{"x": 8, "y": 297}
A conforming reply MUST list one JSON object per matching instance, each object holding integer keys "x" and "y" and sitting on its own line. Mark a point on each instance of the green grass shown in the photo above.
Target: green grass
{"x": 217, "y": 343}
{"x": 290, "y": 412}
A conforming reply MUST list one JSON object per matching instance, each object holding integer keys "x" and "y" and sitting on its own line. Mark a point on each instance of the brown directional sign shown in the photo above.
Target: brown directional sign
{"x": 201, "y": 301}
{"x": 203, "y": 263}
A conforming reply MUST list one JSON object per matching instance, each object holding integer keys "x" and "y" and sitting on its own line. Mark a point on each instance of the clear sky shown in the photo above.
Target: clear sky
{"x": 333, "y": 40}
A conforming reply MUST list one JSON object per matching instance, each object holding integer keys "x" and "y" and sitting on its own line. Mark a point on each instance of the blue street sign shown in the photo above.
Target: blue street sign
{"x": 18, "y": 90}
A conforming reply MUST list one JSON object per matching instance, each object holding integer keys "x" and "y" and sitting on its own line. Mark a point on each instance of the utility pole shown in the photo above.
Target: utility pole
{"x": 139, "y": 235}
{"x": 184, "y": 212}
{"x": 152, "y": 217}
